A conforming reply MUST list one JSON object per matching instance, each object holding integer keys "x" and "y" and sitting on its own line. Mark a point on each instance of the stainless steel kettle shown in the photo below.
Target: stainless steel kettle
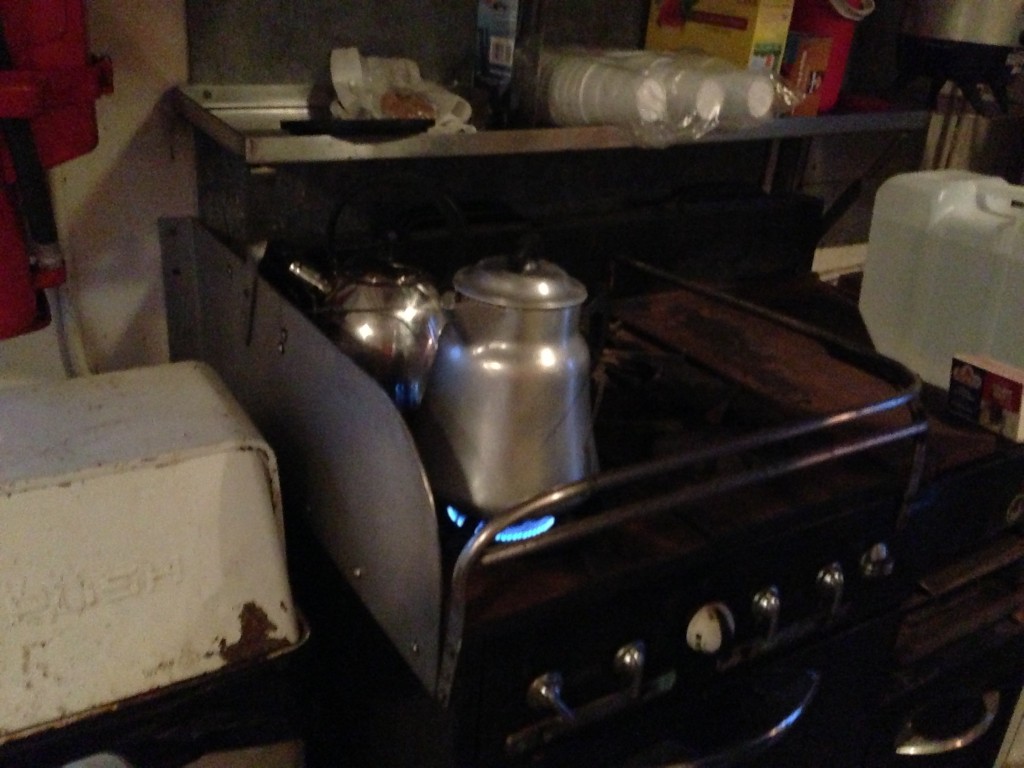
{"x": 386, "y": 316}
{"x": 506, "y": 412}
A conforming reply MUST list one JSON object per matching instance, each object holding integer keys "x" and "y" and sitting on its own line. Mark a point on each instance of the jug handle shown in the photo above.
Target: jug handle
{"x": 996, "y": 188}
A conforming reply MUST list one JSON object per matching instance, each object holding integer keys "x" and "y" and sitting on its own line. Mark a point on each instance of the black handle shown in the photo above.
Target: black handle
{"x": 527, "y": 252}
{"x": 747, "y": 749}
{"x": 909, "y": 741}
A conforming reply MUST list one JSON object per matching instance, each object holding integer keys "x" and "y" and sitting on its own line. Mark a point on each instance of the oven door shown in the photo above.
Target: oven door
{"x": 960, "y": 719}
{"x": 961, "y": 673}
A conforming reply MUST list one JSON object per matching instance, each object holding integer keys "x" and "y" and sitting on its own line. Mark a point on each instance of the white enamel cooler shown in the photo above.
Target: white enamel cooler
{"x": 141, "y": 542}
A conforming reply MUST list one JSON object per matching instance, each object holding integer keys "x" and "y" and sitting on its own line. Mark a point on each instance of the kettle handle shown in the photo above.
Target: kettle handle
{"x": 384, "y": 235}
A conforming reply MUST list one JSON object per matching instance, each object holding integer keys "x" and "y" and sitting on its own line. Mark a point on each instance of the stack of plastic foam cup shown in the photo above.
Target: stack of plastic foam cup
{"x": 613, "y": 95}
{"x": 679, "y": 94}
{"x": 690, "y": 95}
{"x": 585, "y": 89}
{"x": 744, "y": 96}
{"x": 749, "y": 97}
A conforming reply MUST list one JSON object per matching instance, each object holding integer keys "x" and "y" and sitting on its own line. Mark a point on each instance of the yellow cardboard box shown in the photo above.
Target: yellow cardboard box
{"x": 749, "y": 33}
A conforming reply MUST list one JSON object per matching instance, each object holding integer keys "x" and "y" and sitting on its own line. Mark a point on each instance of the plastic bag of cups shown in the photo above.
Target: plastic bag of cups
{"x": 663, "y": 98}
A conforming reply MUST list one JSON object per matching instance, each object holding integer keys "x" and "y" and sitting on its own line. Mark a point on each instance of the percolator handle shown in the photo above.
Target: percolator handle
{"x": 527, "y": 252}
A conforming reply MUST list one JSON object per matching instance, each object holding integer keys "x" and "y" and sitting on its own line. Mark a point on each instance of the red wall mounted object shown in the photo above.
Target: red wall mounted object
{"x": 55, "y": 81}
{"x": 49, "y": 84}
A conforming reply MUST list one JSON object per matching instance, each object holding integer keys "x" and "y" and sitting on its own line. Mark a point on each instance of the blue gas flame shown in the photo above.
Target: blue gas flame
{"x": 525, "y": 529}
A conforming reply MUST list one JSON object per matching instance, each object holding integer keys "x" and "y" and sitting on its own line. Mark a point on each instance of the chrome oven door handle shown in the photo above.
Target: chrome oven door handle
{"x": 745, "y": 750}
{"x": 910, "y": 742}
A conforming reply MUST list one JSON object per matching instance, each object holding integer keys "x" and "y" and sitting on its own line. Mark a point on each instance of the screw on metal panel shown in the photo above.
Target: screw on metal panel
{"x": 282, "y": 340}
{"x": 357, "y": 572}
{"x": 414, "y": 647}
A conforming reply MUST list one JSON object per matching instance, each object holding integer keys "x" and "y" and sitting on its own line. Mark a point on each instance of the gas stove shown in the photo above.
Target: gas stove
{"x": 741, "y": 548}
{"x": 729, "y": 586}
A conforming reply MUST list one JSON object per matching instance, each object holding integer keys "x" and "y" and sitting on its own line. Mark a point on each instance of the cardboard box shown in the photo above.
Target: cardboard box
{"x": 803, "y": 69}
{"x": 987, "y": 392}
{"x": 748, "y": 33}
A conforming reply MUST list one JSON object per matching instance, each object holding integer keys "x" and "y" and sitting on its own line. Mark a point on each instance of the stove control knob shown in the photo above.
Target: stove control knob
{"x": 545, "y": 693}
{"x": 629, "y": 665}
{"x": 711, "y": 628}
{"x": 831, "y": 580}
{"x": 766, "y": 607}
{"x": 877, "y": 562}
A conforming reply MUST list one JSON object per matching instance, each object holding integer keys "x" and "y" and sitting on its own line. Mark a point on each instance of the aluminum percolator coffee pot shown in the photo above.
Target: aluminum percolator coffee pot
{"x": 506, "y": 413}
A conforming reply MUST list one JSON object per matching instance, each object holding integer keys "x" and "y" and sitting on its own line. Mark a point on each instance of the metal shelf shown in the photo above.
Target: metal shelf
{"x": 246, "y": 120}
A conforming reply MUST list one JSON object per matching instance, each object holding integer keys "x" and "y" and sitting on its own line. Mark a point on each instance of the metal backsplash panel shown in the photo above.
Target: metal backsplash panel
{"x": 297, "y": 201}
{"x": 347, "y": 460}
{"x": 275, "y": 41}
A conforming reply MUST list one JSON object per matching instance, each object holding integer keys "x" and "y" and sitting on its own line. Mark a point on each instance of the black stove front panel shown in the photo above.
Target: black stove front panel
{"x": 669, "y": 637}
{"x": 963, "y": 509}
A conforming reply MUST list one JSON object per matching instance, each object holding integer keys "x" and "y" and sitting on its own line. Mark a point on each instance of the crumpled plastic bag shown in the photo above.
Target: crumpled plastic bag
{"x": 392, "y": 88}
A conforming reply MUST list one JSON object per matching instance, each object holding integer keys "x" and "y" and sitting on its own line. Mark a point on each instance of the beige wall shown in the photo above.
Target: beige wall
{"x": 108, "y": 202}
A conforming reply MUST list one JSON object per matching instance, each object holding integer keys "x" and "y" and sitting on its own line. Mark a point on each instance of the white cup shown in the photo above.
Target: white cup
{"x": 613, "y": 95}
{"x": 585, "y": 89}
{"x": 564, "y": 85}
{"x": 691, "y": 95}
{"x": 749, "y": 97}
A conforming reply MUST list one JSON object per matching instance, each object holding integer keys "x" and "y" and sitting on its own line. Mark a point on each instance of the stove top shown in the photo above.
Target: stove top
{"x": 754, "y": 403}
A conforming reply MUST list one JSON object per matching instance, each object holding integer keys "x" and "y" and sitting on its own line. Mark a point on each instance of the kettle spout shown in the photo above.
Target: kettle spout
{"x": 310, "y": 277}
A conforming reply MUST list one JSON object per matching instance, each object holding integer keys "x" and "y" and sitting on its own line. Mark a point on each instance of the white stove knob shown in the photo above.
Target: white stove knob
{"x": 711, "y": 628}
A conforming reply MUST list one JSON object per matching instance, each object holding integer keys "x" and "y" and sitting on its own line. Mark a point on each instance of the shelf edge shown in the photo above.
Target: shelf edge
{"x": 214, "y": 108}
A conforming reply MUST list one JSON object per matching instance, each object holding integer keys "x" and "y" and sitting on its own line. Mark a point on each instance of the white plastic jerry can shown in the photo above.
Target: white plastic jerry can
{"x": 945, "y": 270}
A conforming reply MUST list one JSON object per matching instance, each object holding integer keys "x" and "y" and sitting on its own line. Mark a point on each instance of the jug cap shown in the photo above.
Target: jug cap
{"x": 535, "y": 284}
